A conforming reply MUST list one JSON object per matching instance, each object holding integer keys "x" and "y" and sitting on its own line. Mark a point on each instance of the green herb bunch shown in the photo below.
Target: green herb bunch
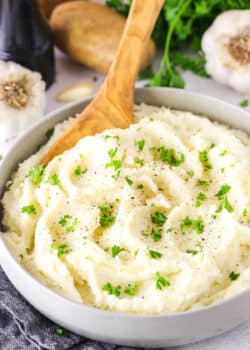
{"x": 179, "y": 28}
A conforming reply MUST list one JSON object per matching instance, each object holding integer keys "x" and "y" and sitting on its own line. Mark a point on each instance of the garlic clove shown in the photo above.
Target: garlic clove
{"x": 22, "y": 99}
{"x": 75, "y": 92}
{"x": 226, "y": 45}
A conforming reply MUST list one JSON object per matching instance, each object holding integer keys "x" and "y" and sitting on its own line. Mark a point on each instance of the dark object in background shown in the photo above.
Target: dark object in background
{"x": 25, "y": 37}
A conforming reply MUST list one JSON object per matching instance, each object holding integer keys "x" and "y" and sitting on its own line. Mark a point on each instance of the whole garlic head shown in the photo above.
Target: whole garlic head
{"x": 22, "y": 99}
{"x": 226, "y": 45}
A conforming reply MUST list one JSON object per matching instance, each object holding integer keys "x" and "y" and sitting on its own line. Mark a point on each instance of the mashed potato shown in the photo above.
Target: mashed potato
{"x": 152, "y": 219}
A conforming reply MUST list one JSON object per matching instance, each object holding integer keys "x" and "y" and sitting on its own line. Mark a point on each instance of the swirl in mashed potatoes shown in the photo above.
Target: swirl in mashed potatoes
{"x": 152, "y": 219}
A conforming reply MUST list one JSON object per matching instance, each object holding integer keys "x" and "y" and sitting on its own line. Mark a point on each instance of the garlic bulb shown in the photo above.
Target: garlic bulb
{"x": 226, "y": 45}
{"x": 22, "y": 99}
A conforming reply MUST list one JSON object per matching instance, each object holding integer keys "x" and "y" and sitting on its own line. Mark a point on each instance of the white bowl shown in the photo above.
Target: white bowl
{"x": 124, "y": 329}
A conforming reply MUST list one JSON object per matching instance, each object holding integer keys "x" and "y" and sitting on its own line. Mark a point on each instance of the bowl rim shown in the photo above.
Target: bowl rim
{"x": 99, "y": 312}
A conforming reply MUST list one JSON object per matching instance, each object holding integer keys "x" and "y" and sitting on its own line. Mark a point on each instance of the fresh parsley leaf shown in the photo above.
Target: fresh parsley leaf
{"x": 29, "y": 209}
{"x": 140, "y": 187}
{"x": 223, "y": 190}
{"x": 156, "y": 234}
{"x": 36, "y": 173}
{"x": 62, "y": 332}
{"x": 245, "y": 212}
{"x": 138, "y": 161}
{"x": 159, "y": 218}
{"x": 155, "y": 254}
{"x": 78, "y": 171}
{"x": 161, "y": 282}
{"x": 197, "y": 225}
{"x": 191, "y": 251}
{"x": 131, "y": 289}
{"x": 244, "y": 103}
{"x": 62, "y": 249}
{"x": 168, "y": 155}
{"x": 146, "y": 73}
{"x": 112, "y": 152}
{"x": 201, "y": 197}
{"x": 116, "y": 249}
{"x": 107, "y": 218}
{"x": 129, "y": 181}
{"x": 140, "y": 144}
{"x": 234, "y": 276}
{"x": 202, "y": 183}
{"x": 112, "y": 290}
{"x": 54, "y": 180}
{"x": 64, "y": 220}
{"x": 203, "y": 157}
{"x": 49, "y": 133}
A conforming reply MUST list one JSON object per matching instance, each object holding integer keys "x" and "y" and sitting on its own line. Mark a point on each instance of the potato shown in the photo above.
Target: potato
{"x": 90, "y": 34}
{"x": 47, "y": 6}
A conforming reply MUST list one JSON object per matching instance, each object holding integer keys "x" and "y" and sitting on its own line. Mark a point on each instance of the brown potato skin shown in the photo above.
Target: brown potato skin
{"x": 90, "y": 34}
{"x": 47, "y": 6}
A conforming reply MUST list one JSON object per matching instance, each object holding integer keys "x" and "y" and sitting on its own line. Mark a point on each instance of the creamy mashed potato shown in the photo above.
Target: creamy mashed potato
{"x": 152, "y": 219}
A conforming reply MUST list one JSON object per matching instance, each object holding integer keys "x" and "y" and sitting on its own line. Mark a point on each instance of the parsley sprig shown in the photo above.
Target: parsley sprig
{"x": 161, "y": 282}
{"x": 196, "y": 225}
{"x": 36, "y": 174}
{"x": 107, "y": 217}
{"x": 168, "y": 155}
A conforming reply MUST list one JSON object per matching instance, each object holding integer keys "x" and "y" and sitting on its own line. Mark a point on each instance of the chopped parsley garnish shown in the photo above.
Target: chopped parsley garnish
{"x": 131, "y": 289}
{"x": 159, "y": 218}
{"x": 168, "y": 155}
{"x": 161, "y": 282}
{"x": 62, "y": 332}
{"x": 54, "y": 180}
{"x": 112, "y": 152}
{"x": 64, "y": 220}
{"x": 49, "y": 133}
{"x": 69, "y": 222}
{"x": 201, "y": 197}
{"x": 140, "y": 144}
{"x": 190, "y": 173}
{"x": 157, "y": 235}
{"x": 106, "y": 215}
{"x": 116, "y": 249}
{"x": 62, "y": 249}
{"x": 140, "y": 187}
{"x": 1, "y": 157}
{"x": 203, "y": 157}
{"x": 223, "y": 153}
{"x": 244, "y": 103}
{"x": 79, "y": 171}
{"x": 245, "y": 212}
{"x": 112, "y": 290}
{"x": 116, "y": 164}
{"x": 191, "y": 251}
{"x": 223, "y": 190}
{"x": 202, "y": 183}
{"x": 29, "y": 209}
{"x": 136, "y": 252}
{"x": 138, "y": 161}
{"x": 115, "y": 137}
{"x": 224, "y": 202}
{"x": 155, "y": 254}
{"x": 129, "y": 181}
{"x": 36, "y": 173}
{"x": 196, "y": 225}
{"x": 234, "y": 276}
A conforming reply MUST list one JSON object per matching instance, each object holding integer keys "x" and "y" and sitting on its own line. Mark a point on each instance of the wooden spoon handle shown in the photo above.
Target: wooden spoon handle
{"x": 123, "y": 72}
{"x": 113, "y": 106}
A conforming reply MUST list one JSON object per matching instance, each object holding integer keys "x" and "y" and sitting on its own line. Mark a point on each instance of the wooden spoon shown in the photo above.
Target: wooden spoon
{"x": 113, "y": 105}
